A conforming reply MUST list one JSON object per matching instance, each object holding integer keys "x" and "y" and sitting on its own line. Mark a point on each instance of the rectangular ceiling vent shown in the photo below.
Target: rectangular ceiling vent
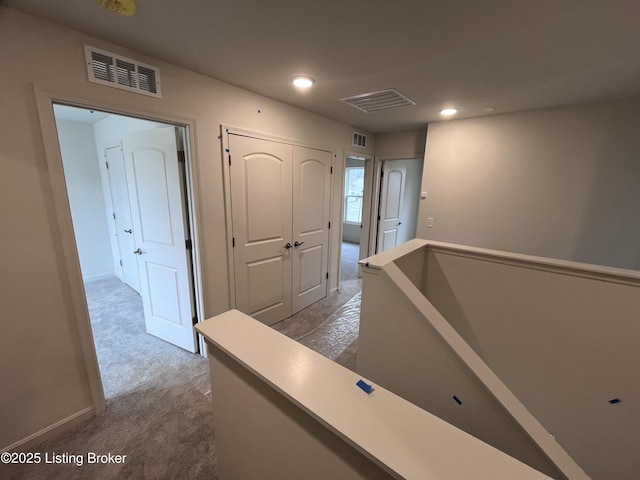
{"x": 359, "y": 140}
{"x": 380, "y": 100}
{"x": 107, "y": 68}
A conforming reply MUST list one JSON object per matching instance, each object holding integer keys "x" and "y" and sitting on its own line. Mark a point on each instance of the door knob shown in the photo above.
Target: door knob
{"x": 399, "y": 223}
{"x": 128, "y": 231}
{"x": 137, "y": 251}
{"x": 287, "y": 246}
{"x": 297, "y": 243}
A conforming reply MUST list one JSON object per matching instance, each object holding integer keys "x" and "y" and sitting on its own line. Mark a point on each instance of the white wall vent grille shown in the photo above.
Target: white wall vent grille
{"x": 359, "y": 140}
{"x": 106, "y": 68}
{"x": 380, "y": 100}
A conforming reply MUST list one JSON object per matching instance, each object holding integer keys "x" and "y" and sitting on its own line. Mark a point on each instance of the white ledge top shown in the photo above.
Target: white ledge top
{"x": 379, "y": 260}
{"x": 403, "y": 439}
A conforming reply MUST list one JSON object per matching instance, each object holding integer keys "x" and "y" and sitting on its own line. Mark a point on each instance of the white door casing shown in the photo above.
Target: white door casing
{"x": 128, "y": 263}
{"x": 311, "y": 202}
{"x": 280, "y": 198}
{"x": 391, "y": 200}
{"x": 157, "y": 209}
{"x": 365, "y": 228}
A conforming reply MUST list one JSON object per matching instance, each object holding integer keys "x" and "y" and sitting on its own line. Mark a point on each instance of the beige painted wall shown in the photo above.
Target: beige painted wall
{"x": 400, "y": 144}
{"x": 558, "y": 182}
{"x": 84, "y": 188}
{"x": 564, "y": 340}
{"x": 39, "y": 321}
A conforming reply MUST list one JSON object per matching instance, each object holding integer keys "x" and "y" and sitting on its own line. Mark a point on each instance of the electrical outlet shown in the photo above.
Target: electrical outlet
{"x": 429, "y": 222}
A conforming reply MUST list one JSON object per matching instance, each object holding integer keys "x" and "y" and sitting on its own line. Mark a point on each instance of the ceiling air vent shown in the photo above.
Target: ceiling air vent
{"x": 120, "y": 72}
{"x": 359, "y": 140}
{"x": 380, "y": 100}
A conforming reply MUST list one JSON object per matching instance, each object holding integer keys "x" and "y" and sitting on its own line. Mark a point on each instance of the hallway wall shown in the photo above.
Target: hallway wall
{"x": 84, "y": 188}
{"x": 557, "y": 182}
{"x": 52, "y": 385}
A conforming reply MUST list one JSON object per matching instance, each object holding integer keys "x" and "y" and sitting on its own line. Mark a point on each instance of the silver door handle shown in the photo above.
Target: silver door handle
{"x": 128, "y": 231}
{"x": 137, "y": 251}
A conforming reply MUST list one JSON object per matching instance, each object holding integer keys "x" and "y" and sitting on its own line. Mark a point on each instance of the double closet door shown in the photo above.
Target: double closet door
{"x": 280, "y": 197}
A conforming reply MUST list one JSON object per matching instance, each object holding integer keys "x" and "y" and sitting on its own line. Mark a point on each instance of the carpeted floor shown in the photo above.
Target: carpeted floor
{"x": 158, "y": 402}
{"x": 158, "y": 395}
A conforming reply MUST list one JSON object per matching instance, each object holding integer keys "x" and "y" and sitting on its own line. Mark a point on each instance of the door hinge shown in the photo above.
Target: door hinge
{"x": 327, "y": 275}
{"x": 378, "y": 217}
{"x": 113, "y": 215}
{"x": 229, "y": 159}
{"x": 329, "y": 224}
{"x": 107, "y": 164}
{"x": 331, "y": 171}
{"x": 188, "y": 244}
{"x": 194, "y": 320}
{"x": 233, "y": 241}
{"x": 120, "y": 262}
{"x": 181, "y": 156}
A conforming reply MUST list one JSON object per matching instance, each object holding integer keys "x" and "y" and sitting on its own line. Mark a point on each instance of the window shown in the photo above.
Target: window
{"x": 353, "y": 192}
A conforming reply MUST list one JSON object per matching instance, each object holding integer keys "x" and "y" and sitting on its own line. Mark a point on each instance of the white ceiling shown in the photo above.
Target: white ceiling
{"x": 509, "y": 55}
{"x": 80, "y": 115}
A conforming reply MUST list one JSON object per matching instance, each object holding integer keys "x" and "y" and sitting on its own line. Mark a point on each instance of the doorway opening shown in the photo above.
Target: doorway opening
{"x": 128, "y": 192}
{"x": 356, "y": 221}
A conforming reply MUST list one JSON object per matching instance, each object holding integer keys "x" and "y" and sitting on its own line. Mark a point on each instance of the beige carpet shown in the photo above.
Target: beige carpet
{"x": 158, "y": 395}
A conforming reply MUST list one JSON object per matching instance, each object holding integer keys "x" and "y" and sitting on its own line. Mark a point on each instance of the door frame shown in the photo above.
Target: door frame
{"x": 226, "y": 180}
{"x": 377, "y": 191}
{"x": 71, "y": 277}
{"x": 367, "y": 205}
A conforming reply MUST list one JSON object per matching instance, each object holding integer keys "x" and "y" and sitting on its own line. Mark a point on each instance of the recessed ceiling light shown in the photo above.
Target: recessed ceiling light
{"x": 302, "y": 81}
{"x": 447, "y": 112}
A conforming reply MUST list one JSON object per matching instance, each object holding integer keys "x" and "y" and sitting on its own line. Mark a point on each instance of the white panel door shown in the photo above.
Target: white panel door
{"x": 391, "y": 198}
{"x": 260, "y": 173}
{"x": 311, "y": 195}
{"x": 122, "y": 216}
{"x": 157, "y": 211}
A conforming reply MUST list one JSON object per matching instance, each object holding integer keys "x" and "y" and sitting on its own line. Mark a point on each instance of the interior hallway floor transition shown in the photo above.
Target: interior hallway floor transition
{"x": 159, "y": 396}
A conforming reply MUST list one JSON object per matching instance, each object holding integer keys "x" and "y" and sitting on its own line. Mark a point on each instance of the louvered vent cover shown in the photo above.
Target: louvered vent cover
{"x": 120, "y": 72}
{"x": 359, "y": 140}
{"x": 380, "y": 100}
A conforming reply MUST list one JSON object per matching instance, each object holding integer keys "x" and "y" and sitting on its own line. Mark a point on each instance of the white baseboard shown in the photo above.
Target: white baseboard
{"x": 95, "y": 278}
{"x": 51, "y": 430}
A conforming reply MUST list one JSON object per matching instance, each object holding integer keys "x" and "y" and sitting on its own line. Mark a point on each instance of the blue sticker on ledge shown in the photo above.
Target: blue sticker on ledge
{"x": 364, "y": 386}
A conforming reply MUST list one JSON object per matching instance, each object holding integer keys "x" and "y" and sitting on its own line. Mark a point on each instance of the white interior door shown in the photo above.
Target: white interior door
{"x": 391, "y": 199}
{"x": 157, "y": 210}
{"x": 311, "y": 200}
{"x": 261, "y": 190}
{"x": 128, "y": 262}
